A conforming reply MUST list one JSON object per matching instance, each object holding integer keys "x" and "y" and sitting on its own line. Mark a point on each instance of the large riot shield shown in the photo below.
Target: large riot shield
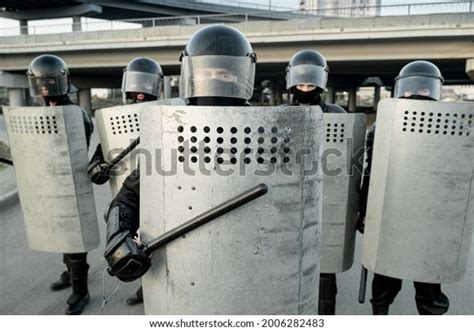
{"x": 49, "y": 150}
{"x": 118, "y": 127}
{"x": 262, "y": 258}
{"x": 420, "y": 206}
{"x": 341, "y": 164}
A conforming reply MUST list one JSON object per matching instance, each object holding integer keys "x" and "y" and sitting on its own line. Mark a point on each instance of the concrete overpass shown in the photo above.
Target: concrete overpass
{"x": 356, "y": 48}
{"x": 26, "y": 10}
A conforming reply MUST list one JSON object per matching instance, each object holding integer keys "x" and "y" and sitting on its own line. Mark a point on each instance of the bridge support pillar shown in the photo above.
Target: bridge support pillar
{"x": 23, "y": 27}
{"x": 331, "y": 94}
{"x": 76, "y": 24}
{"x": 84, "y": 98}
{"x": 376, "y": 96}
{"x": 167, "y": 87}
{"x": 470, "y": 68}
{"x": 17, "y": 96}
{"x": 352, "y": 99}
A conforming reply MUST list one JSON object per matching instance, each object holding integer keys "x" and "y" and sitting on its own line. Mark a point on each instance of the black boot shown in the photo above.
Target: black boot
{"x": 136, "y": 298}
{"x": 63, "y": 282}
{"x": 80, "y": 295}
{"x": 430, "y": 300}
{"x": 76, "y": 303}
{"x": 327, "y": 294}
{"x": 384, "y": 291}
{"x": 379, "y": 310}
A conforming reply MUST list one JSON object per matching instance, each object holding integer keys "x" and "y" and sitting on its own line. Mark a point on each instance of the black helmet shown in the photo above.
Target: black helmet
{"x": 48, "y": 76}
{"x": 419, "y": 79}
{"x": 217, "y": 62}
{"x": 142, "y": 75}
{"x": 308, "y": 67}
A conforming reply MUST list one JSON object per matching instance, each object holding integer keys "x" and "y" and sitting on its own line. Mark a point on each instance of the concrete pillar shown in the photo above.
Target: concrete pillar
{"x": 17, "y": 97}
{"x": 352, "y": 99}
{"x": 331, "y": 94}
{"x": 376, "y": 96}
{"x": 76, "y": 24}
{"x": 470, "y": 68}
{"x": 84, "y": 97}
{"x": 23, "y": 27}
{"x": 167, "y": 87}
{"x": 279, "y": 95}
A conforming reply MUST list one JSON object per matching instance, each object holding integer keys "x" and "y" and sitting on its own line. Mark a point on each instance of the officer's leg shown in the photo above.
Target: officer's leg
{"x": 136, "y": 298}
{"x": 327, "y": 294}
{"x": 430, "y": 300}
{"x": 80, "y": 295}
{"x": 64, "y": 280}
{"x": 384, "y": 291}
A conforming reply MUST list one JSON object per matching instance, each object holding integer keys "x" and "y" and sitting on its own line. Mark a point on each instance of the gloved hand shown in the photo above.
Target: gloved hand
{"x": 97, "y": 169}
{"x": 124, "y": 255}
{"x": 97, "y": 173}
{"x": 126, "y": 260}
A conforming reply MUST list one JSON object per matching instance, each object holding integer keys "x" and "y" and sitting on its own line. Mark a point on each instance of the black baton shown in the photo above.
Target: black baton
{"x": 205, "y": 217}
{"x": 363, "y": 284}
{"x": 122, "y": 154}
{"x": 6, "y": 161}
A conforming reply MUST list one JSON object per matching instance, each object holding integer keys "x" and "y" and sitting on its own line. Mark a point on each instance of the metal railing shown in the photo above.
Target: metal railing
{"x": 348, "y": 12}
{"x": 409, "y": 9}
{"x": 247, "y": 5}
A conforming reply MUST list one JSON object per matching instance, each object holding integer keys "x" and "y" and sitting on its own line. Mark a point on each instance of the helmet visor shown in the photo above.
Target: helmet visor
{"x": 141, "y": 82}
{"x": 307, "y": 74}
{"x": 48, "y": 86}
{"x": 418, "y": 86}
{"x": 217, "y": 76}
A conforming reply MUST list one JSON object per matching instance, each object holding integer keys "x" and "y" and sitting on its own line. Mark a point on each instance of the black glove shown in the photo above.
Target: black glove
{"x": 97, "y": 173}
{"x": 126, "y": 259}
{"x": 97, "y": 169}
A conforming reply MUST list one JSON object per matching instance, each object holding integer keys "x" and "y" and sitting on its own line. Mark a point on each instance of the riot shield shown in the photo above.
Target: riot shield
{"x": 118, "y": 127}
{"x": 341, "y": 162}
{"x": 420, "y": 206}
{"x": 49, "y": 150}
{"x": 262, "y": 258}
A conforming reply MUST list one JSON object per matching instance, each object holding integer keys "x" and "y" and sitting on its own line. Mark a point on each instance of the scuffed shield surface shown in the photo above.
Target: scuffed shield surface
{"x": 420, "y": 205}
{"x": 118, "y": 127}
{"x": 341, "y": 163}
{"x": 262, "y": 258}
{"x": 49, "y": 152}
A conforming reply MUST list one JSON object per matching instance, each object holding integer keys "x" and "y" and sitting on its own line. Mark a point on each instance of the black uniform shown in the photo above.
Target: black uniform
{"x": 429, "y": 298}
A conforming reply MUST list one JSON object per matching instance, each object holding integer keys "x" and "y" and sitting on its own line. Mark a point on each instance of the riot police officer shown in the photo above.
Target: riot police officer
{"x": 306, "y": 78}
{"x": 48, "y": 77}
{"x": 417, "y": 80}
{"x": 141, "y": 82}
{"x": 217, "y": 69}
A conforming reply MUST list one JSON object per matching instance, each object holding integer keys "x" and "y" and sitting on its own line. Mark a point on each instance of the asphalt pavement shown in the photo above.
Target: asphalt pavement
{"x": 25, "y": 275}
